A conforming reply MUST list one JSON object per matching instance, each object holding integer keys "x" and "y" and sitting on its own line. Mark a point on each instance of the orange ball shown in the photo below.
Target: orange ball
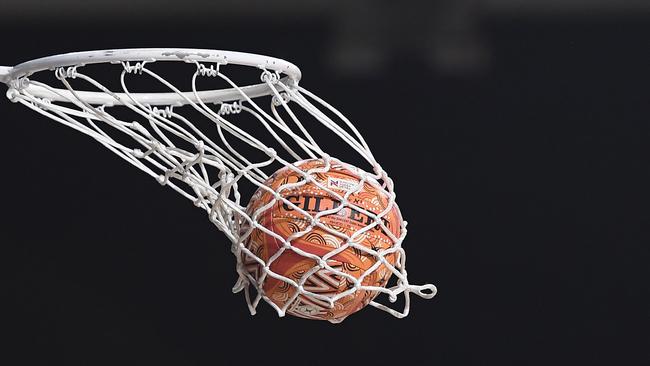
{"x": 285, "y": 220}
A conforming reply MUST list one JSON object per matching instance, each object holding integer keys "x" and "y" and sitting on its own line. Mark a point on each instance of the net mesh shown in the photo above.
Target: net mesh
{"x": 196, "y": 148}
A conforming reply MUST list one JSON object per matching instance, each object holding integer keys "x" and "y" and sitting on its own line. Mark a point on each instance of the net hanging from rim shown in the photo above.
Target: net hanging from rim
{"x": 208, "y": 161}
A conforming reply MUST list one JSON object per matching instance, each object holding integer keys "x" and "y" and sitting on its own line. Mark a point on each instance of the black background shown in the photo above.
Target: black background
{"x": 523, "y": 176}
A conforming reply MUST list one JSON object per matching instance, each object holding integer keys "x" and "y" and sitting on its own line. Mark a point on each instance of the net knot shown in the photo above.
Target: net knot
{"x": 155, "y": 147}
{"x": 271, "y": 153}
{"x": 200, "y": 146}
{"x": 138, "y": 127}
{"x": 226, "y": 178}
{"x": 378, "y": 170}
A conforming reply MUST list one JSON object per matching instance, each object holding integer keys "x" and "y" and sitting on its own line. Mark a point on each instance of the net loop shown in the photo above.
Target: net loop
{"x": 167, "y": 112}
{"x": 270, "y": 77}
{"x": 230, "y": 108}
{"x": 136, "y": 68}
{"x": 280, "y": 99}
{"x": 211, "y": 71}
{"x": 66, "y": 73}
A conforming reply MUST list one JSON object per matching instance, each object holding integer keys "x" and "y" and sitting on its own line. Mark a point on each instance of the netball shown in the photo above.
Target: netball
{"x": 285, "y": 220}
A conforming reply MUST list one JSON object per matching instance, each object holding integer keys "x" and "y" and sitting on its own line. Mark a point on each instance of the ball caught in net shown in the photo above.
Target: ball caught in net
{"x": 309, "y": 239}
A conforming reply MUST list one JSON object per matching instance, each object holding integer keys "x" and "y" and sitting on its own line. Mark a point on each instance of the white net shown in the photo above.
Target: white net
{"x": 209, "y": 153}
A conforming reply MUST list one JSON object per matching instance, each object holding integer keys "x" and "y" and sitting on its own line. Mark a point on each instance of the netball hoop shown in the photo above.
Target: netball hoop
{"x": 208, "y": 142}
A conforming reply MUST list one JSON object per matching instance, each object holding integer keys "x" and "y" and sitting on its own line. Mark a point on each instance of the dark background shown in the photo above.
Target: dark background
{"x": 517, "y": 133}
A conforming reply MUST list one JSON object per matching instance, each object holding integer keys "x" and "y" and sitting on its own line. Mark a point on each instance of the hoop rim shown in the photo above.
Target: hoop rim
{"x": 220, "y": 57}
{"x": 157, "y": 54}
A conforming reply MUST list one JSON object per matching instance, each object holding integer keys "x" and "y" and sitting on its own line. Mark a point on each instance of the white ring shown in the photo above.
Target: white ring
{"x": 26, "y": 69}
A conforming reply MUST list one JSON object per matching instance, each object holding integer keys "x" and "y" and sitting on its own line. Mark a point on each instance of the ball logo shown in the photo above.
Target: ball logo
{"x": 341, "y": 184}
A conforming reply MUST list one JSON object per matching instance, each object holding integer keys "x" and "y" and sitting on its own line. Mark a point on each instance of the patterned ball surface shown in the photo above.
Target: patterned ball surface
{"x": 285, "y": 220}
